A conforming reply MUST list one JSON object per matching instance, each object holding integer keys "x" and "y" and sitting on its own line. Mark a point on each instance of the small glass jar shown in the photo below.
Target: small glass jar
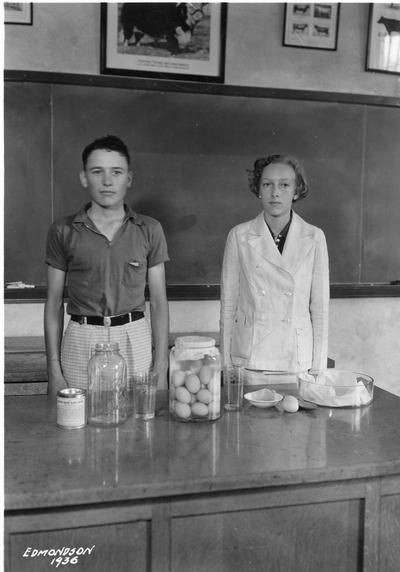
{"x": 107, "y": 387}
{"x": 195, "y": 379}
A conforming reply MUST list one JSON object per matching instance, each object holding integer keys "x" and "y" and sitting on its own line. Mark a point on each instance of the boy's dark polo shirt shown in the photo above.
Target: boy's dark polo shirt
{"x": 105, "y": 278}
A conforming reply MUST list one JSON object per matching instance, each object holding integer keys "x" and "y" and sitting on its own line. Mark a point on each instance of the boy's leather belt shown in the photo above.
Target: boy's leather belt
{"x": 108, "y": 320}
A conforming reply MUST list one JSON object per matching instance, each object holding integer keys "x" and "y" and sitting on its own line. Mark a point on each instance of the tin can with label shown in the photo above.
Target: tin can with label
{"x": 71, "y": 408}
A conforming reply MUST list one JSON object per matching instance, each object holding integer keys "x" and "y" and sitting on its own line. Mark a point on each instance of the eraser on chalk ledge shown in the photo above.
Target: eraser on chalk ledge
{"x": 19, "y": 284}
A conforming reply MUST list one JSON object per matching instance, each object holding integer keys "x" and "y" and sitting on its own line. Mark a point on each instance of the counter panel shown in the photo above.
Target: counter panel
{"x": 311, "y": 491}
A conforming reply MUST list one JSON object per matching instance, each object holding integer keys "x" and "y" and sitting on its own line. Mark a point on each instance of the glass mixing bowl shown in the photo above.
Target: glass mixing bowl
{"x": 336, "y": 388}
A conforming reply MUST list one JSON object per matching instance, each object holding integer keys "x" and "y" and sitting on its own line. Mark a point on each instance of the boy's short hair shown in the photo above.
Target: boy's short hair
{"x": 260, "y": 164}
{"x": 109, "y": 143}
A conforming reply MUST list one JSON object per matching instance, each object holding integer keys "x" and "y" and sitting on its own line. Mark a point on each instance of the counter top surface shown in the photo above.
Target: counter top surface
{"x": 46, "y": 466}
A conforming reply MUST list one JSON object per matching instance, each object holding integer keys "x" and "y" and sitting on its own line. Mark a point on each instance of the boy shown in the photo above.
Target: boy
{"x": 106, "y": 251}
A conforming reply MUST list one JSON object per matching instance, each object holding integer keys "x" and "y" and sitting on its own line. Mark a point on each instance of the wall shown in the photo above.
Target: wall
{"x": 363, "y": 333}
{"x": 66, "y": 38}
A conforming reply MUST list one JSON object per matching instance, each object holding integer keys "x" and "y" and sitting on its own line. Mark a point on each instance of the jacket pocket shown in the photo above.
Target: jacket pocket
{"x": 304, "y": 342}
{"x": 242, "y": 338}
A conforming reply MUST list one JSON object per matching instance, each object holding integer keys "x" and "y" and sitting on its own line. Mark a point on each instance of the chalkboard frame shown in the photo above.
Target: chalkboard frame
{"x": 195, "y": 291}
{"x": 212, "y": 292}
{"x": 124, "y": 82}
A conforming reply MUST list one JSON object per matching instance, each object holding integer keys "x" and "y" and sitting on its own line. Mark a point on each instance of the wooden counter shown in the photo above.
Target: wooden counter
{"x": 256, "y": 490}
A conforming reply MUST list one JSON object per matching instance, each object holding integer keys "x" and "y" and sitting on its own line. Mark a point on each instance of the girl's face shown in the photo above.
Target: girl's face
{"x": 277, "y": 189}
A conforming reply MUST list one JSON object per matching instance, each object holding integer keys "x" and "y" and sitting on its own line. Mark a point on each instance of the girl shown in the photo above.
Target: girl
{"x": 275, "y": 279}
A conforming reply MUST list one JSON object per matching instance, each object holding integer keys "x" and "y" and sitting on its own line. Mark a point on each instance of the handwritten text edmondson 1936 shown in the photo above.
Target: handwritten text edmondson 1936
{"x": 60, "y": 556}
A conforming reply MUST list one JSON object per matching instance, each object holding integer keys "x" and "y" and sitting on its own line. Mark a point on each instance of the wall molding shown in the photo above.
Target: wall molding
{"x": 124, "y": 82}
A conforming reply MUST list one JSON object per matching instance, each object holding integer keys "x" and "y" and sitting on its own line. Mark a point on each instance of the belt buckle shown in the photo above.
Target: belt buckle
{"x": 106, "y": 321}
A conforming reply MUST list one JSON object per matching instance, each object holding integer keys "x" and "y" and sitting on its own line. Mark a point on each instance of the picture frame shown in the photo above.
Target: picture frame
{"x": 383, "y": 45}
{"x": 185, "y": 43}
{"x": 311, "y": 25}
{"x": 18, "y": 13}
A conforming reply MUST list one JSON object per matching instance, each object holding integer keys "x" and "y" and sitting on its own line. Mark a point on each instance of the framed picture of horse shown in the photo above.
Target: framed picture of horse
{"x": 383, "y": 47}
{"x": 311, "y": 25}
{"x": 184, "y": 41}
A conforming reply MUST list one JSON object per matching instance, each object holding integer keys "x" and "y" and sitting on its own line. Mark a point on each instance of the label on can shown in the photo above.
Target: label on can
{"x": 71, "y": 408}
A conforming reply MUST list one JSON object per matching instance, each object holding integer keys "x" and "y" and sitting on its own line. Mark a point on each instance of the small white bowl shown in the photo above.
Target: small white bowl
{"x": 263, "y": 398}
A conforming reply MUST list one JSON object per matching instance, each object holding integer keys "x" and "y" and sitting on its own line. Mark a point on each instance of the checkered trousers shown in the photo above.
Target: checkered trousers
{"x": 133, "y": 338}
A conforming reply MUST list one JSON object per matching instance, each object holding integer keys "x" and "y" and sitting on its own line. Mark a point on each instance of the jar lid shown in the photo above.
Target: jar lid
{"x": 193, "y": 342}
{"x": 107, "y": 347}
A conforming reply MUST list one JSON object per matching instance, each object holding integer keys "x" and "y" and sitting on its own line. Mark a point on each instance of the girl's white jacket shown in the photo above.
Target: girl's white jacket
{"x": 275, "y": 307}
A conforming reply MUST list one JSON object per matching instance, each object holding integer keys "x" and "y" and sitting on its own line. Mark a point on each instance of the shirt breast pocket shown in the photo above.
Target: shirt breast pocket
{"x": 134, "y": 273}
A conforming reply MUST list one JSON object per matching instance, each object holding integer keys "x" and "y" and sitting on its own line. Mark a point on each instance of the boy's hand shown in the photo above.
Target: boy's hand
{"x": 56, "y": 379}
{"x": 162, "y": 369}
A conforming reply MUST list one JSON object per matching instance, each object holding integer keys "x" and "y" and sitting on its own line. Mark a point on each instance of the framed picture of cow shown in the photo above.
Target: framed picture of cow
{"x": 18, "y": 13}
{"x": 311, "y": 25}
{"x": 383, "y": 47}
{"x": 177, "y": 41}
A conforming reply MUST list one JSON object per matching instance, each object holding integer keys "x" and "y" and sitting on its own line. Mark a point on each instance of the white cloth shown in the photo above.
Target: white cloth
{"x": 133, "y": 338}
{"x": 336, "y": 388}
{"x": 274, "y": 307}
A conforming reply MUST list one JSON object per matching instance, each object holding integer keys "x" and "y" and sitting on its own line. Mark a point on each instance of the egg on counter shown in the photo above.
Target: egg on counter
{"x": 290, "y": 404}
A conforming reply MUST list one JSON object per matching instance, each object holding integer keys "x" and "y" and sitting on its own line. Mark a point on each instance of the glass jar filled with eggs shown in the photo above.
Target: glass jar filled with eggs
{"x": 195, "y": 379}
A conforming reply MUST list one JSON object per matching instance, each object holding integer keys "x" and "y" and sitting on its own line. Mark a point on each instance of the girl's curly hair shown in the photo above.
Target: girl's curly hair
{"x": 260, "y": 164}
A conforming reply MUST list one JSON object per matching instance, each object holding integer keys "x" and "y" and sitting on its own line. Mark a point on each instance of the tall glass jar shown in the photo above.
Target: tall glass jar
{"x": 107, "y": 387}
{"x": 195, "y": 379}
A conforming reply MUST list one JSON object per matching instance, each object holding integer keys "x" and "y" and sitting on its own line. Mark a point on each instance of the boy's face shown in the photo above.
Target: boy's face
{"x": 107, "y": 177}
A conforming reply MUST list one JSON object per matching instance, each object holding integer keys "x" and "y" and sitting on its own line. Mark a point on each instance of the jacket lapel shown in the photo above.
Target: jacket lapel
{"x": 260, "y": 239}
{"x": 297, "y": 245}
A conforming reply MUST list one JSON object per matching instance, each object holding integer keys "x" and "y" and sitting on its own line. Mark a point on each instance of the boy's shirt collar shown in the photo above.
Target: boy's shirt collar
{"x": 82, "y": 217}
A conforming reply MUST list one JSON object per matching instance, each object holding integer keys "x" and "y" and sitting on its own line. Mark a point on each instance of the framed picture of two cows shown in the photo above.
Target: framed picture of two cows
{"x": 184, "y": 41}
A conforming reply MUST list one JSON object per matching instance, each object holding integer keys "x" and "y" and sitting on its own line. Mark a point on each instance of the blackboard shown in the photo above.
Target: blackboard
{"x": 191, "y": 152}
